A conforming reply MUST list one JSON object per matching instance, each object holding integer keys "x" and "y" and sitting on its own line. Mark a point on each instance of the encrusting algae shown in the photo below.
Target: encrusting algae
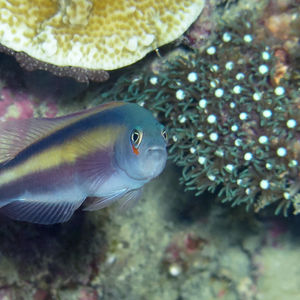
{"x": 90, "y": 34}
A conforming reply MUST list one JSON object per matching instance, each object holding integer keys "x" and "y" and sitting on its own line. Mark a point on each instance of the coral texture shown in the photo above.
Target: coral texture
{"x": 232, "y": 128}
{"x": 79, "y": 74}
{"x": 93, "y": 34}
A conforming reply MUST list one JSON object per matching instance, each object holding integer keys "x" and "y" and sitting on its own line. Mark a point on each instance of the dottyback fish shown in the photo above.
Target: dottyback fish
{"x": 48, "y": 167}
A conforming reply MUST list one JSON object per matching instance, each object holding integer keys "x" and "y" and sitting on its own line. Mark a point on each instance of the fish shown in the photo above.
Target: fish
{"x": 49, "y": 167}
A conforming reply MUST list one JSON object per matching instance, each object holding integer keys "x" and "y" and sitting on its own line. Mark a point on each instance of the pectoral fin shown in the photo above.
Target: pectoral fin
{"x": 130, "y": 199}
{"x": 124, "y": 197}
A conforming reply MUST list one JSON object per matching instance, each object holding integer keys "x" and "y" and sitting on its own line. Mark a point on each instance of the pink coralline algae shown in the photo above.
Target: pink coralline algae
{"x": 15, "y": 106}
{"x": 88, "y": 294}
{"x": 182, "y": 252}
{"x": 23, "y": 105}
{"x": 52, "y": 110}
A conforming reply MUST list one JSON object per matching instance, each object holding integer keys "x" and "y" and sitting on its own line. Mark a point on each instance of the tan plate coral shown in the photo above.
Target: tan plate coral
{"x": 93, "y": 34}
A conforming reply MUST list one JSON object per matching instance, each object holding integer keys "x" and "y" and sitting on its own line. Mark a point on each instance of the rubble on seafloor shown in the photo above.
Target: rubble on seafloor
{"x": 170, "y": 245}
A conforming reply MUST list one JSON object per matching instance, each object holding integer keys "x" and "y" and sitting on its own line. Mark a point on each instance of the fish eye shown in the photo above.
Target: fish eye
{"x": 136, "y": 137}
{"x": 164, "y": 134}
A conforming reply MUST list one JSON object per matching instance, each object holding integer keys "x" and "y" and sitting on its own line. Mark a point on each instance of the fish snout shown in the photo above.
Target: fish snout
{"x": 156, "y": 158}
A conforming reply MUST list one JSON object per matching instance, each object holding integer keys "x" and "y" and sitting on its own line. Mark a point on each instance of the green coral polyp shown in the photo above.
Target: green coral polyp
{"x": 230, "y": 128}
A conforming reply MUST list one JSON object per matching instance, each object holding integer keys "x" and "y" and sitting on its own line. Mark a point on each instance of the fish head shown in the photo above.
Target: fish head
{"x": 141, "y": 151}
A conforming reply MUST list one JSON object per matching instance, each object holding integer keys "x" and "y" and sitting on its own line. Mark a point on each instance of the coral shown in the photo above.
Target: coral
{"x": 79, "y": 74}
{"x": 89, "y": 34}
{"x": 231, "y": 127}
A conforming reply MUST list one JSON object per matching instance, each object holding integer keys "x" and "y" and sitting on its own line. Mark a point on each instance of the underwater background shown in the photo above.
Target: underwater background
{"x": 222, "y": 221}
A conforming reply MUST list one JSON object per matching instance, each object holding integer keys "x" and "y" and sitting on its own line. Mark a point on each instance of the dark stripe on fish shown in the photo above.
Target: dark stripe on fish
{"x": 63, "y": 135}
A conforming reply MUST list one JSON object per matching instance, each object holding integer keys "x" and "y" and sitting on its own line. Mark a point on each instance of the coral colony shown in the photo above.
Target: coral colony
{"x": 231, "y": 128}
{"x": 82, "y": 37}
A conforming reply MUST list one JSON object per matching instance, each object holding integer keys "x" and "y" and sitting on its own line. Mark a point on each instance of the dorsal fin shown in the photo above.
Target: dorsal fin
{"x": 16, "y": 135}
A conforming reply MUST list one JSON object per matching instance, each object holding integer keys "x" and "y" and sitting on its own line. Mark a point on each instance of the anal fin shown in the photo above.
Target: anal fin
{"x": 40, "y": 212}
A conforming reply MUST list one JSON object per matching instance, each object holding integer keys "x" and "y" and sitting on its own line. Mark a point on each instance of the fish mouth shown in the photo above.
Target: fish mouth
{"x": 156, "y": 160}
{"x": 152, "y": 165}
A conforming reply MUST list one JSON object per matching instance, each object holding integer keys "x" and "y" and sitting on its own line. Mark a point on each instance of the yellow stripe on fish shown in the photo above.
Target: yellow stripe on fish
{"x": 40, "y": 129}
{"x": 66, "y": 153}
{"x": 48, "y": 167}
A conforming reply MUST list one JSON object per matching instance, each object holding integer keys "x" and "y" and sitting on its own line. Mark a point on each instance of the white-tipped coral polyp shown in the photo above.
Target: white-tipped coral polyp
{"x": 223, "y": 99}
